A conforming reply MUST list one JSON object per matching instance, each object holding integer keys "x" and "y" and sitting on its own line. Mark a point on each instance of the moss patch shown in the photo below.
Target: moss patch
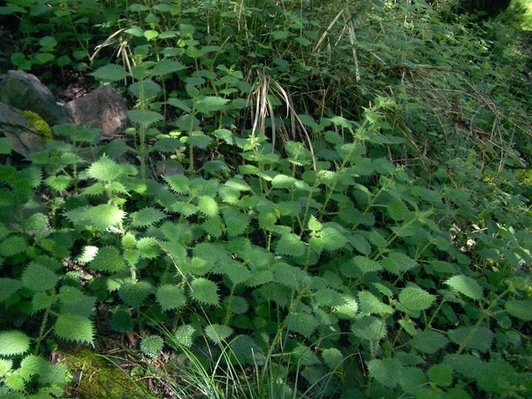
{"x": 38, "y": 124}
{"x": 94, "y": 377}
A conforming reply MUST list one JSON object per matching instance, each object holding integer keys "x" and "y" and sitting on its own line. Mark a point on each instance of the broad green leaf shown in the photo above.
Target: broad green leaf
{"x": 415, "y": 299}
{"x": 70, "y": 327}
{"x": 152, "y": 345}
{"x": 366, "y": 265}
{"x": 111, "y": 73}
{"x": 145, "y": 89}
{"x": 39, "y": 278}
{"x": 386, "y": 371}
{"x": 290, "y": 245}
{"x": 466, "y": 286}
{"x": 208, "y": 104}
{"x": 105, "y": 170}
{"x": 218, "y": 333}
{"x": 520, "y": 309}
{"x": 13, "y": 343}
{"x": 144, "y": 117}
{"x": 478, "y": 338}
{"x": 204, "y": 291}
{"x": 369, "y": 303}
{"x": 167, "y": 66}
{"x": 441, "y": 374}
{"x": 301, "y": 323}
{"x": 8, "y": 286}
{"x": 108, "y": 259}
{"x": 170, "y": 297}
{"x": 429, "y": 341}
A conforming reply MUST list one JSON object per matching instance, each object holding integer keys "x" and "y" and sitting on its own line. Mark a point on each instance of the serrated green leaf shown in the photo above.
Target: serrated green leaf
{"x": 210, "y": 104}
{"x": 290, "y": 245}
{"x": 236, "y": 222}
{"x": 133, "y": 294}
{"x": 185, "y": 334}
{"x": 478, "y": 338}
{"x": 204, "y": 291}
{"x": 429, "y": 341}
{"x": 466, "y": 286}
{"x": 369, "y": 303}
{"x": 145, "y": 89}
{"x": 121, "y": 320}
{"x": 144, "y": 117}
{"x": 13, "y": 343}
{"x": 218, "y": 333}
{"x": 167, "y": 66}
{"x": 520, "y": 309}
{"x": 415, "y": 299}
{"x": 110, "y": 73}
{"x": 152, "y": 345}
{"x": 348, "y": 309}
{"x": 283, "y": 181}
{"x": 5, "y": 366}
{"x": 366, "y": 265}
{"x": 38, "y": 278}
{"x": 301, "y": 323}
{"x": 146, "y": 217}
{"x": 170, "y": 297}
{"x": 105, "y": 170}
{"x": 75, "y": 328}
{"x": 369, "y": 328}
{"x": 8, "y": 286}
{"x": 42, "y": 301}
{"x": 178, "y": 183}
{"x": 208, "y": 206}
{"x": 101, "y": 216}
{"x": 385, "y": 371}
{"x": 332, "y": 357}
{"x": 13, "y": 245}
{"x": 313, "y": 224}
{"x": 236, "y": 271}
{"x": 148, "y": 248}
{"x": 328, "y": 239}
{"x": 33, "y": 365}
{"x": 441, "y": 374}
{"x": 108, "y": 259}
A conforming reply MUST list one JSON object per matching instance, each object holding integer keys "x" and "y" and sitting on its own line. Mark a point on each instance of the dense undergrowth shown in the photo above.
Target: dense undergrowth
{"x": 314, "y": 200}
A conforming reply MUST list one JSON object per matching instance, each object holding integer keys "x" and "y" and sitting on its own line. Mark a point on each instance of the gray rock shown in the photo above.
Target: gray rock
{"x": 15, "y": 127}
{"x": 104, "y": 108}
{"x": 24, "y": 91}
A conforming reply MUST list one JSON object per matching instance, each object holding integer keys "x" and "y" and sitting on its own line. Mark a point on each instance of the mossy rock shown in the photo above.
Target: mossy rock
{"x": 95, "y": 377}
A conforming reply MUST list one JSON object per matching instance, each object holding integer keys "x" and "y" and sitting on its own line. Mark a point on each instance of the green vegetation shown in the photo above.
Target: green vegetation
{"x": 327, "y": 200}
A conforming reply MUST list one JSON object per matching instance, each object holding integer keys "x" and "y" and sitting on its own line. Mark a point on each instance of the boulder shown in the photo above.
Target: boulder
{"x": 24, "y": 91}
{"x": 103, "y": 108}
{"x": 16, "y": 128}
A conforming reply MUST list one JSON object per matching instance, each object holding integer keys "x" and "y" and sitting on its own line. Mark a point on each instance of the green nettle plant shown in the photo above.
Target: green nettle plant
{"x": 336, "y": 214}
